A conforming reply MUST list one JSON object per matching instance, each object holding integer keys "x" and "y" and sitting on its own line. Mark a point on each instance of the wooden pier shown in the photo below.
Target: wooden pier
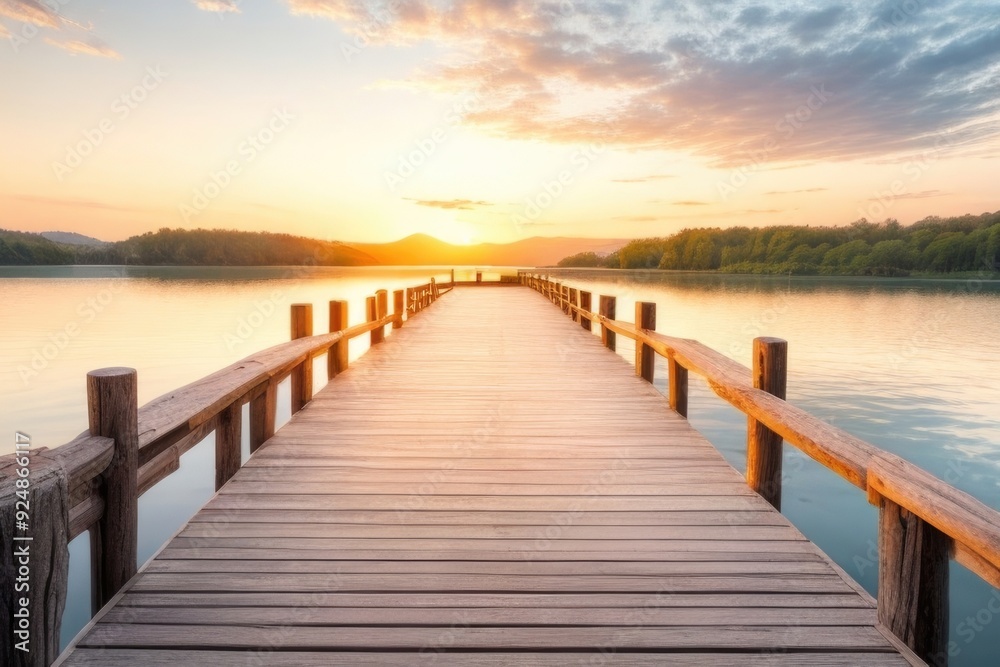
{"x": 491, "y": 485}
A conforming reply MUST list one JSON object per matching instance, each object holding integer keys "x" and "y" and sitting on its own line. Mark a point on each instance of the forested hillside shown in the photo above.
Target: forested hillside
{"x": 937, "y": 245}
{"x": 217, "y": 247}
{"x": 180, "y": 247}
{"x": 22, "y": 248}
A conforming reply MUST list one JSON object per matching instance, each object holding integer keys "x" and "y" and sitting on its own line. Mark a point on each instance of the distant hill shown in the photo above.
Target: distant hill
{"x": 218, "y": 247}
{"x": 424, "y": 250}
{"x": 221, "y": 247}
{"x": 24, "y": 248}
{"x": 72, "y": 238}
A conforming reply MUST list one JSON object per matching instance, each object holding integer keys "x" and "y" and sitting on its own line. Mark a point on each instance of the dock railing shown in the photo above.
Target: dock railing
{"x": 93, "y": 483}
{"x": 923, "y": 521}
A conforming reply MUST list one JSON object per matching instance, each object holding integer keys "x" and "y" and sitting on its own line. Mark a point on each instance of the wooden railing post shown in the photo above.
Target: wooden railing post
{"x": 645, "y": 318}
{"x": 302, "y": 375}
{"x": 337, "y": 357}
{"x": 913, "y": 581}
{"x": 586, "y": 303}
{"x": 263, "y": 411}
{"x": 36, "y": 554}
{"x": 397, "y": 309}
{"x": 228, "y": 437}
{"x": 770, "y": 369}
{"x": 452, "y": 278}
{"x": 113, "y": 412}
{"x": 564, "y": 299}
{"x": 574, "y": 300}
{"x": 434, "y": 290}
{"x": 371, "y": 314}
{"x": 609, "y": 306}
{"x": 678, "y": 387}
{"x": 381, "y": 310}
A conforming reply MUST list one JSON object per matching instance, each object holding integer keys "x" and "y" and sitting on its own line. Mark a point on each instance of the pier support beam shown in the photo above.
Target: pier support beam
{"x": 609, "y": 306}
{"x": 302, "y": 375}
{"x": 113, "y": 411}
{"x": 770, "y": 371}
{"x": 645, "y": 318}
{"x": 913, "y": 581}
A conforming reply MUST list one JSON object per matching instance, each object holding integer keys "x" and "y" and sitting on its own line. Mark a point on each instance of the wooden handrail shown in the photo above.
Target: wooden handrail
{"x": 164, "y": 429}
{"x": 923, "y": 520}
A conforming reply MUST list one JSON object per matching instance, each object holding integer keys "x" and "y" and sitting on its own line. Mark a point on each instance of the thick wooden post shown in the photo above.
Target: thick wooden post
{"x": 113, "y": 411}
{"x": 609, "y": 306}
{"x": 263, "y": 411}
{"x": 913, "y": 581}
{"x": 574, "y": 300}
{"x": 371, "y": 314}
{"x": 586, "y": 303}
{"x": 452, "y": 284}
{"x": 228, "y": 435}
{"x": 564, "y": 299}
{"x": 678, "y": 390}
{"x": 302, "y": 375}
{"x": 770, "y": 369}
{"x": 434, "y": 290}
{"x": 397, "y": 309}
{"x": 381, "y": 310}
{"x": 35, "y": 554}
{"x": 336, "y": 358}
{"x": 645, "y": 318}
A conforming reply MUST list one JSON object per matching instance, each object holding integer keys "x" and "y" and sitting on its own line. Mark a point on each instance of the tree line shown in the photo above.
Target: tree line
{"x": 863, "y": 248}
{"x": 181, "y": 247}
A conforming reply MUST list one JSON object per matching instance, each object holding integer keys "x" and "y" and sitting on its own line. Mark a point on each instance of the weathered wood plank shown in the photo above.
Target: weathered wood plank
{"x": 290, "y": 638}
{"x": 225, "y": 658}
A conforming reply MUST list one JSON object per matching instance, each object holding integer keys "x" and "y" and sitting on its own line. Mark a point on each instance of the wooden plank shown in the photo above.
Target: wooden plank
{"x": 681, "y": 551}
{"x": 498, "y": 518}
{"x": 295, "y": 531}
{"x": 799, "y": 638}
{"x": 493, "y": 616}
{"x": 223, "y": 658}
{"x": 522, "y": 568}
{"x": 516, "y": 600}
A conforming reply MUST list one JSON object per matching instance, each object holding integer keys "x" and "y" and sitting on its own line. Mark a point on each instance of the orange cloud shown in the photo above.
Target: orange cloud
{"x": 451, "y": 204}
{"x": 90, "y": 48}
{"x": 29, "y": 11}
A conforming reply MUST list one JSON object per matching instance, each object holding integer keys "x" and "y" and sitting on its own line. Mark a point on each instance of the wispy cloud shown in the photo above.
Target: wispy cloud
{"x": 218, "y": 6}
{"x": 644, "y": 179}
{"x": 638, "y": 218}
{"x": 90, "y": 47}
{"x": 451, "y": 204}
{"x": 73, "y": 203}
{"x": 30, "y": 11}
{"x": 923, "y": 194}
{"x": 3, "y": 31}
{"x": 338, "y": 10}
{"x": 774, "y": 193}
{"x": 855, "y": 80}
{"x": 690, "y": 203}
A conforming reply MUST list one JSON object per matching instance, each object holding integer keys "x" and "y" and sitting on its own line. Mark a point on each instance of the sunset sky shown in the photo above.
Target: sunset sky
{"x": 493, "y": 120}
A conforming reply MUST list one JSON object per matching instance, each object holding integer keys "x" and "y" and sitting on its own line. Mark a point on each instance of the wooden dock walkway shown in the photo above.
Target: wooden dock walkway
{"x": 490, "y": 486}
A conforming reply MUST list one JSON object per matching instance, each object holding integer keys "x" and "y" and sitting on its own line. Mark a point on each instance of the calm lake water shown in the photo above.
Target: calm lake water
{"x": 910, "y": 366}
